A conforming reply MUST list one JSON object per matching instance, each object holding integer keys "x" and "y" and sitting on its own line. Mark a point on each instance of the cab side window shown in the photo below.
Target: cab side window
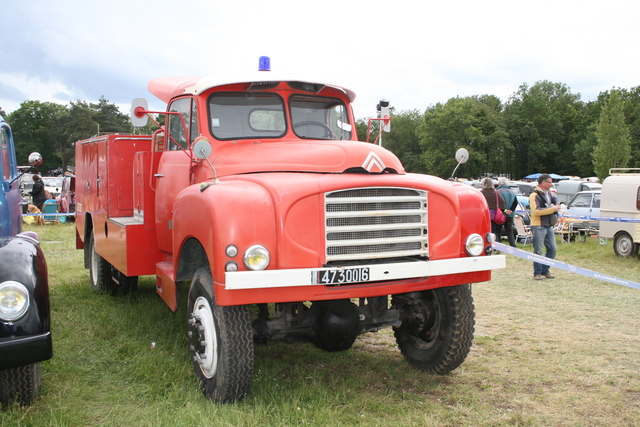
{"x": 5, "y": 155}
{"x": 178, "y": 139}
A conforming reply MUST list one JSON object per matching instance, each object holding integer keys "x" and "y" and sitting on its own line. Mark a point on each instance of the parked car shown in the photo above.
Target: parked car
{"x": 25, "y": 337}
{"x": 53, "y": 184}
{"x": 526, "y": 188}
{"x": 566, "y": 190}
{"x": 521, "y": 212}
{"x": 524, "y": 201}
{"x": 26, "y": 183}
{"x": 584, "y": 205}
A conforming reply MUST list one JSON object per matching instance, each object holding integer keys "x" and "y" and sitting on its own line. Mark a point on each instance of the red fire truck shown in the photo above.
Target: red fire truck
{"x": 257, "y": 197}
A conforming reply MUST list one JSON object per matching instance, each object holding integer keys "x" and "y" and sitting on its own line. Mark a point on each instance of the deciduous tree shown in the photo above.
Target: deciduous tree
{"x": 614, "y": 142}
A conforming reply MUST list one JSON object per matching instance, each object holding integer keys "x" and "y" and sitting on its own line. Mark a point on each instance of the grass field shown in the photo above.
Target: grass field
{"x": 557, "y": 352}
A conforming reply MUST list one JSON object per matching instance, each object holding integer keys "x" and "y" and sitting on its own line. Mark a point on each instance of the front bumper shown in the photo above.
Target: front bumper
{"x": 22, "y": 351}
{"x": 378, "y": 272}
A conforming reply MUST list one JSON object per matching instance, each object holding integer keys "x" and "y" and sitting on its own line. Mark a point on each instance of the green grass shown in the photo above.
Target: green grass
{"x": 556, "y": 352}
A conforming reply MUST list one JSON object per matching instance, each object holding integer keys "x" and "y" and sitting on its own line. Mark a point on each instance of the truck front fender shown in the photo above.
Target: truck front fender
{"x": 238, "y": 213}
{"x": 28, "y": 339}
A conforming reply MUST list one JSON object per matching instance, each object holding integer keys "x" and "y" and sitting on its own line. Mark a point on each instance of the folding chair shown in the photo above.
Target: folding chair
{"x": 564, "y": 230}
{"x": 50, "y": 208}
{"x": 523, "y": 232}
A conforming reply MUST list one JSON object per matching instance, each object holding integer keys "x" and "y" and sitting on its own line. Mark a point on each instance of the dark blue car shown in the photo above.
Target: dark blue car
{"x": 25, "y": 336}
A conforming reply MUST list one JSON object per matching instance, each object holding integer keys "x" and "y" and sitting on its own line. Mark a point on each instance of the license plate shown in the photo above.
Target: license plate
{"x": 341, "y": 276}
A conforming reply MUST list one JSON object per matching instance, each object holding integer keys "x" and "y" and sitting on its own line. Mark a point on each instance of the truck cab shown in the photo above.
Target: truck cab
{"x": 25, "y": 337}
{"x": 258, "y": 198}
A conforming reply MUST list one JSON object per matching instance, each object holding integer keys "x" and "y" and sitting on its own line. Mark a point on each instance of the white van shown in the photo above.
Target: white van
{"x": 565, "y": 190}
{"x": 621, "y": 199}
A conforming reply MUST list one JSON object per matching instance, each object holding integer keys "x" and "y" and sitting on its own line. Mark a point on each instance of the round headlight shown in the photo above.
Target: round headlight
{"x": 256, "y": 258}
{"x": 474, "y": 245}
{"x": 14, "y": 300}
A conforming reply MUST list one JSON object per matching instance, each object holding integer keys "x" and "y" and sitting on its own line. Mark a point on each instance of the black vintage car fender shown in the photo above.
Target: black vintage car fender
{"x": 26, "y": 340}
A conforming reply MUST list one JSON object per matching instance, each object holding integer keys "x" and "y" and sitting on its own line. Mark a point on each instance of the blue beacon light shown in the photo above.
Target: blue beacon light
{"x": 265, "y": 64}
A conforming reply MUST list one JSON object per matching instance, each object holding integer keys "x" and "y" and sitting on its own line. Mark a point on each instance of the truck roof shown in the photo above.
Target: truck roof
{"x": 166, "y": 88}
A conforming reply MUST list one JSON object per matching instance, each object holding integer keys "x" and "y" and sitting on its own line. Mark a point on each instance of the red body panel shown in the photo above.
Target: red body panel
{"x": 111, "y": 173}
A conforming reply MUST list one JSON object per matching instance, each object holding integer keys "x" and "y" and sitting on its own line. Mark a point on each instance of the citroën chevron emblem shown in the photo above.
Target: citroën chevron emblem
{"x": 372, "y": 161}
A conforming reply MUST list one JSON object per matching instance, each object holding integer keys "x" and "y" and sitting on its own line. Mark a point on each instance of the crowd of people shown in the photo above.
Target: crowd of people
{"x": 544, "y": 215}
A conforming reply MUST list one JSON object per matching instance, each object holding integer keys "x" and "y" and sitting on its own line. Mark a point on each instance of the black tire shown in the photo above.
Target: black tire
{"x": 20, "y": 385}
{"x": 99, "y": 269}
{"x": 123, "y": 285}
{"x": 105, "y": 278}
{"x": 220, "y": 342}
{"x": 623, "y": 245}
{"x": 437, "y": 327}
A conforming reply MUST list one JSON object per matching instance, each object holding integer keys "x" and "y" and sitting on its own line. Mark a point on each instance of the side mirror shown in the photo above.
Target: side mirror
{"x": 139, "y": 108}
{"x": 35, "y": 160}
{"x": 462, "y": 155}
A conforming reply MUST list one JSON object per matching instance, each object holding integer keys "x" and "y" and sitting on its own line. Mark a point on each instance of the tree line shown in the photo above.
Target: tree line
{"x": 52, "y": 129}
{"x": 541, "y": 128}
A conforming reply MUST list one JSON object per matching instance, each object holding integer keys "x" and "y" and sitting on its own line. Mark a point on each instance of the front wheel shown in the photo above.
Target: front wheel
{"x": 220, "y": 342}
{"x": 437, "y": 327}
{"x": 21, "y": 384}
{"x": 623, "y": 245}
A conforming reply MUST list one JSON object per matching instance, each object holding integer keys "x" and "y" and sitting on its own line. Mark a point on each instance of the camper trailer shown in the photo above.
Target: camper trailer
{"x": 621, "y": 199}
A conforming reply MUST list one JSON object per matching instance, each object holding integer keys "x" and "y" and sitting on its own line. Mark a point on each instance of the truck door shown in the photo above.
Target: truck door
{"x": 173, "y": 169}
{"x": 10, "y": 219}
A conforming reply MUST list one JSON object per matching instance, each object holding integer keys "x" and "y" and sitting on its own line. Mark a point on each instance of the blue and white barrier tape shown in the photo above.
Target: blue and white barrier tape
{"x": 592, "y": 218}
{"x": 601, "y": 218}
{"x": 561, "y": 265}
{"x": 50, "y": 214}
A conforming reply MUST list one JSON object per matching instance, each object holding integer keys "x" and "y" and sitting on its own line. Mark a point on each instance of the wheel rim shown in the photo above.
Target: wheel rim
{"x": 624, "y": 245}
{"x": 204, "y": 337}
{"x": 94, "y": 264}
{"x": 428, "y": 329}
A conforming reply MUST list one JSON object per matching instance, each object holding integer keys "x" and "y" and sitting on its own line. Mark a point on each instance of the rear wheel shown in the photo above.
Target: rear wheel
{"x": 21, "y": 385}
{"x": 99, "y": 269}
{"x": 623, "y": 245}
{"x": 437, "y": 327}
{"x": 105, "y": 278}
{"x": 221, "y": 343}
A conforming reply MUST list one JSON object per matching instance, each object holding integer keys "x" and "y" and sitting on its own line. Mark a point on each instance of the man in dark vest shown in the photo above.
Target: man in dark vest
{"x": 544, "y": 215}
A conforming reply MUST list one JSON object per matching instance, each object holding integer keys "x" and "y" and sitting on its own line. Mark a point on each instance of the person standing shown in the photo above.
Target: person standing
{"x": 544, "y": 215}
{"x": 495, "y": 201}
{"x": 510, "y": 203}
{"x": 37, "y": 192}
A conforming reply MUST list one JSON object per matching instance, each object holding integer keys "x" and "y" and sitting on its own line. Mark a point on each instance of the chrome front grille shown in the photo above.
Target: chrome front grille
{"x": 374, "y": 223}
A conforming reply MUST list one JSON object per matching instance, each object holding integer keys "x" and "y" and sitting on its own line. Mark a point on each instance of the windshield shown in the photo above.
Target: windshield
{"x": 585, "y": 201}
{"x": 237, "y": 115}
{"x": 319, "y": 118}
{"x": 244, "y": 115}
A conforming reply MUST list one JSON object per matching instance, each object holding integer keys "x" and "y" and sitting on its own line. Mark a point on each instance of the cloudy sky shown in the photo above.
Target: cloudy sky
{"x": 413, "y": 53}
